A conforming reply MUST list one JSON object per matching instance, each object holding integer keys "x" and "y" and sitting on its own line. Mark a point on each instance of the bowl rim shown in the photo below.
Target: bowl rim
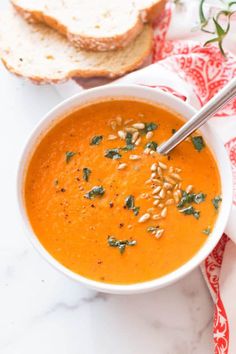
{"x": 136, "y": 92}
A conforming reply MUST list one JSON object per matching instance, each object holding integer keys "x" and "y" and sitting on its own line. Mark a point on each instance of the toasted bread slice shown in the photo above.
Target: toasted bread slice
{"x": 39, "y": 53}
{"x": 93, "y": 25}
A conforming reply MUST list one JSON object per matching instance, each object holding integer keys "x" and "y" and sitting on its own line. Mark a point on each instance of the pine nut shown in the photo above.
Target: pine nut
{"x": 113, "y": 125}
{"x": 122, "y": 166}
{"x": 148, "y": 181}
{"x": 159, "y": 233}
{"x": 164, "y": 212}
{"x": 179, "y": 193}
{"x": 169, "y": 193}
{"x": 144, "y": 217}
{"x": 162, "y": 193}
{"x": 127, "y": 121}
{"x": 156, "y": 197}
{"x": 170, "y": 180}
{"x": 121, "y": 134}
{"x": 167, "y": 185}
{"x": 134, "y": 157}
{"x": 147, "y": 151}
{"x": 156, "y": 190}
{"x": 149, "y": 135}
{"x": 135, "y": 137}
{"x": 176, "y": 197}
{"x": 153, "y": 175}
{"x": 112, "y": 137}
{"x": 130, "y": 130}
{"x": 152, "y": 152}
{"x": 161, "y": 205}
{"x": 178, "y": 170}
{"x": 159, "y": 171}
{"x": 138, "y": 125}
{"x": 171, "y": 169}
{"x": 138, "y": 141}
{"x": 162, "y": 165}
{"x": 150, "y": 210}
{"x": 154, "y": 167}
{"x": 119, "y": 120}
{"x": 156, "y": 217}
{"x": 189, "y": 188}
{"x": 144, "y": 195}
{"x": 157, "y": 181}
{"x": 170, "y": 201}
{"x": 156, "y": 202}
{"x": 176, "y": 176}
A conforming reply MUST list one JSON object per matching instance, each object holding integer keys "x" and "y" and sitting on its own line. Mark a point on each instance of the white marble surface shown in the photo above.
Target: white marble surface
{"x": 43, "y": 312}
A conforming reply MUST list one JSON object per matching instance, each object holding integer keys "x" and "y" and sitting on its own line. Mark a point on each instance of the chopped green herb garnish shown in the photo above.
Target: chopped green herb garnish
{"x": 191, "y": 211}
{"x": 69, "y": 155}
{"x": 216, "y": 201}
{"x": 207, "y": 231}
{"x": 86, "y": 173}
{"x": 130, "y": 204}
{"x": 56, "y": 182}
{"x": 150, "y": 127}
{"x": 188, "y": 198}
{"x": 152, "y": 145}
{"x": 96, "y": 140}
{"x": 129, "y": 145}
{"x": 113, "y": 154}
{"x": 121, "y": 244}
{"x": 198, "y": 142}
{"x": 199, "y": 198}
{"x": 136, "y": 210}
{"x": 96, "y": 191}
{"x": 128, "y": 138}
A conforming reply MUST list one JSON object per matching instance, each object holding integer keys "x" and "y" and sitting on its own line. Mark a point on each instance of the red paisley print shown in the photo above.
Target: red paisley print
{"x": 204, "y": 68}
{"x": 220, "y": 326}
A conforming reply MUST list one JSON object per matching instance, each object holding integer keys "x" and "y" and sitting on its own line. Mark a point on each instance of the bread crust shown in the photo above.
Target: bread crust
{"x": 83, "y": 73}
{"x": 100, "y": 44}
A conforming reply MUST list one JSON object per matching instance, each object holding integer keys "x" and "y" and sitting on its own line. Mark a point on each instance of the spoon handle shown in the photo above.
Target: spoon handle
{"x": 206, "y": 112}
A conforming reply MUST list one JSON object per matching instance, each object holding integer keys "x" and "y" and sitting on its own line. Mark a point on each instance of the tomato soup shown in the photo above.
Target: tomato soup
{"x": 107, "y": 206}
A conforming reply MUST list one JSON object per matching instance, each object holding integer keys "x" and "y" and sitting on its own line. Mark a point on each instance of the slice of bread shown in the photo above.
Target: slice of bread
{"x": 100, "y": 25}
{"x": 41, "y": 54}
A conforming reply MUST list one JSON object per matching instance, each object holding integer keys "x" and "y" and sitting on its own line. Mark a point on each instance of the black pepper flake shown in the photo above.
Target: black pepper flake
{"x": 121, "y": 225}
{"x": 111, "y": 204}
{"x": 99, "y": 262}
{"x": 92, "y": 206}
{"x": 63, "y": 190}
{"x": 168, "y": 158}
{"x": 20, "y": 59}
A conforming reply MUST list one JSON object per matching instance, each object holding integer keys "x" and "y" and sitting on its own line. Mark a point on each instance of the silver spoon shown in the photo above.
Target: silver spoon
{"x": 205, "y": 113}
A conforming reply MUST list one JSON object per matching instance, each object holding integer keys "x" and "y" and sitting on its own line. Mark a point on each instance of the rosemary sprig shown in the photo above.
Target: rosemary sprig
{"x": 219, "y": 31}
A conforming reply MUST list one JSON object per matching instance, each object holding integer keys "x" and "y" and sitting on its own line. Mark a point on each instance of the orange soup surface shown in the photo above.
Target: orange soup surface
{"x": 107, "y": 206}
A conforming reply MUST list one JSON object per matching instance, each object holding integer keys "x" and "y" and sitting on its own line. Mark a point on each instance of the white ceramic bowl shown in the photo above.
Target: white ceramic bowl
{"x": 153, "y": 96}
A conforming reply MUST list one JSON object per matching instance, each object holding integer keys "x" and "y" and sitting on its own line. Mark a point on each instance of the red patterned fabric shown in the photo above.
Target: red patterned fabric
{"x": 206, "y": 71}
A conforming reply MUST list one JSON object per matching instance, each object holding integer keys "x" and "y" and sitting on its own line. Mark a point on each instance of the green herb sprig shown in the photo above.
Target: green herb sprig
{"x": 86, "y": 173}
{"x": 216, "y": 202}
{"x": 96, "y": 140}
{"x": 96, "y": 191}
{"x": 220, "y": 32}
{"x": 120, "y": 244}
{"x": 130, "y": 204}
{"x": 69, "y": 155}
